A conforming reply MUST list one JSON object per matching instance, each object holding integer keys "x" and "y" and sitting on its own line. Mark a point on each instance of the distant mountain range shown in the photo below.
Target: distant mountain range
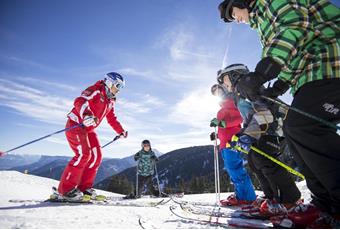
{"x": 53, "y": 166}
{"x": 12, "y": 160}
{"x": 177, "y": 167}
{"x": 188, "y": 169}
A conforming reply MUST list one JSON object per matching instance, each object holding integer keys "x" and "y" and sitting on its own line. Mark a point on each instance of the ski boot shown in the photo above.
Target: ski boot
{"x": 304, "y": 214}
{"x": 91, "y": 194}
{"x": 55, "y": 194}
{"x": 326, "y": 221}
{"x": 271, "y": 208}
{"x": 233, "y": 201}
{"x": 255, "y": 205}
{"x": 130, "y": 196}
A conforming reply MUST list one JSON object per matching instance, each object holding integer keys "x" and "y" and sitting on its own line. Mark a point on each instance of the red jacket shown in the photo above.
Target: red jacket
{"x": 232, "y": 117}
{"x": 93, "y": 101}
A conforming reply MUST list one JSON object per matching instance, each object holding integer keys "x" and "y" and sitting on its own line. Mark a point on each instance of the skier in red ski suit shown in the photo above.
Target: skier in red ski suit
{"x": 95, "y": 103}
{"x": 233, "y": 162}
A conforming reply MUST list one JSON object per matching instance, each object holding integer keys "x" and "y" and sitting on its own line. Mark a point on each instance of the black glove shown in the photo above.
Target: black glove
{"x": 279, "y": 87}
{"x": 136, "y": 158}
{"x": 250, "y": 84}
{"x": 213, "y": 136}
{"x": 154, "y": 158}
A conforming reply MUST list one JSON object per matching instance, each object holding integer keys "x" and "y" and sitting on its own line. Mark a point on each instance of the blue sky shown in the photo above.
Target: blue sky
{"x": 168, "y": 51}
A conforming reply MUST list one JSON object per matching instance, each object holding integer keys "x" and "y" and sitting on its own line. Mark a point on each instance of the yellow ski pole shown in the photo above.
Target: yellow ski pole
{"x": 289, "y": 169}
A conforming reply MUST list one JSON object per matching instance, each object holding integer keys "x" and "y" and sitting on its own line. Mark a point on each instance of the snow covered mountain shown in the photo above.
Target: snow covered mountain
{"x": 13, "y": 160}
{"x": 33, "y": 214}
{"x": 188, "y": 169}
{"x": 53, "y": 166}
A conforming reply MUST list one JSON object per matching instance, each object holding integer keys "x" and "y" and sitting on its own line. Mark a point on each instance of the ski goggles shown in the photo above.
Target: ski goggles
{"x": 226, "y": 8}
{"x": 117, "y": 84}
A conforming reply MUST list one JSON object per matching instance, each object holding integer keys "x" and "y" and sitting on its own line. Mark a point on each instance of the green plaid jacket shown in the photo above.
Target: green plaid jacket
{"x": 302, "y": 35}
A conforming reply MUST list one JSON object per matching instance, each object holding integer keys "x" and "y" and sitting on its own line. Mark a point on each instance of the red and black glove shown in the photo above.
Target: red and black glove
{"x": 124, "y": 134}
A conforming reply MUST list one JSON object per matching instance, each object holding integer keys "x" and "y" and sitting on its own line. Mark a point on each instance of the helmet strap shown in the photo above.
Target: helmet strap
{"x": 109, "y": 94}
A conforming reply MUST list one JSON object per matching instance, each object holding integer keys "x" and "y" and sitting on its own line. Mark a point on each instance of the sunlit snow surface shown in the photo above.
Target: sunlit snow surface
{"x": 16, "y": 186}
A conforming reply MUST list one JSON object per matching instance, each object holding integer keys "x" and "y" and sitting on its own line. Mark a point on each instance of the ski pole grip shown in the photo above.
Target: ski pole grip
{"x": 234, "y": 138}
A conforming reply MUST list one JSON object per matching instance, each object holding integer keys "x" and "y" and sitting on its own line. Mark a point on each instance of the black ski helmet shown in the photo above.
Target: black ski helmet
{"x": 234, "y": 71}
{"x": 146, "y": 142}
{"x": 225, "y": 8}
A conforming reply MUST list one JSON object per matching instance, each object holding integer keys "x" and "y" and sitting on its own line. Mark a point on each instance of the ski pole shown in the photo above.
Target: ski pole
{"x": 41, "y": 138}
{"x": 114, "y": 139}
{"x": 330, "y": 124}
{"x": 137, "y": 179}
{"x": 289, "y": 169}
{"x": 159, "y": 188}
{"x": 216, "y": 169}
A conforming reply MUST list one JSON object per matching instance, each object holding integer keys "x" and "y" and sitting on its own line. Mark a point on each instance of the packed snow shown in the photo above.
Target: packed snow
{"x": 33, "y": 214}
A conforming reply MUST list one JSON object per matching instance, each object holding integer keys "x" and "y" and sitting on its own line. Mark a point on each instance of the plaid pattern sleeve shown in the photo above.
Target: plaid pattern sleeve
{"x": 289, "y": 31}
{"x": 303, "y": 36}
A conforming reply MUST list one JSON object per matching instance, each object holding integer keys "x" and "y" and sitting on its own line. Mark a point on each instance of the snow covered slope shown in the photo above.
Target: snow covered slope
{"x": 15, "y": 185}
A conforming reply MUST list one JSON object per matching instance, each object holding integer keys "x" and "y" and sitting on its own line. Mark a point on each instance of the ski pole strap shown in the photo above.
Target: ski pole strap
{"x": 289, "y": 169}
{"x": 330, "y": 124}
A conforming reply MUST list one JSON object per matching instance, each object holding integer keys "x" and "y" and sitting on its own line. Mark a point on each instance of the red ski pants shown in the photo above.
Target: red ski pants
{"x": 82, "y": 169}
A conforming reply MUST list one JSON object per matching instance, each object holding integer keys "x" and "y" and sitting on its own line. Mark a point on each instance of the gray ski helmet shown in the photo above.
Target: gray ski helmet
{"x": 223, "y": 92}
{"x": 146, "y": 142}
{"x": 234, "y": 72}
{"x": 216, "y": 87}
{"x": 226, "y": 7}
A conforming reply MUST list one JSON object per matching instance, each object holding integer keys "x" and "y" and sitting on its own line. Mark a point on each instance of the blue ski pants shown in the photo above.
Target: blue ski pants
{"x": 233, "y": 164}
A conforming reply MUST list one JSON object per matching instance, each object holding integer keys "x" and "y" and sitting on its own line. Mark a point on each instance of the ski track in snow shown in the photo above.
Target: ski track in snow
{"x": 16, "y": 185}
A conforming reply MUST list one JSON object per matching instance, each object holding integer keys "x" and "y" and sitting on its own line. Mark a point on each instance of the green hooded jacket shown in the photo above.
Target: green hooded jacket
{"x": 146, "y": 162}
{"x": 302, "y": 35}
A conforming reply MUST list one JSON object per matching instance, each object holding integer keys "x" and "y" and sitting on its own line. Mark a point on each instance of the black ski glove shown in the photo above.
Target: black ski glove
{"x": 250, "y": 84}
{"x": 279, "y": 87}
{"x": 213, "y": 136}
{"x": 154, "y": 158}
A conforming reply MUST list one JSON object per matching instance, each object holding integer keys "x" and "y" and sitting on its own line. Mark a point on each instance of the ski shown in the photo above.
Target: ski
{"x": 277, "y": 221}
{"x": 146, "y": 223}
{"x": 196, "y": 203}
{"x": 213, "y": 211}
{"x": 220, "y": 221}
{"x": 108, "y": 202}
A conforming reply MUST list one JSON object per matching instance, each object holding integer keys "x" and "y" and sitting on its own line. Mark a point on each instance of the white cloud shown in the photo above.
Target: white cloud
{"x": 30, "y": 80}
{"x": 181, "y": 44}
{"x": 195, "y": 109}
{"x": 34, "y": 103}
{"x": 27, "y": 62}
{"x": 132, "y": 71}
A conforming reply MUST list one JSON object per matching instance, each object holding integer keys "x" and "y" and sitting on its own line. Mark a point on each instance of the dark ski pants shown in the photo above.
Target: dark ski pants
{"x": 146, "y": 180}
{"x": 276, "y": 182}
{"x": 316, "y": 147}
